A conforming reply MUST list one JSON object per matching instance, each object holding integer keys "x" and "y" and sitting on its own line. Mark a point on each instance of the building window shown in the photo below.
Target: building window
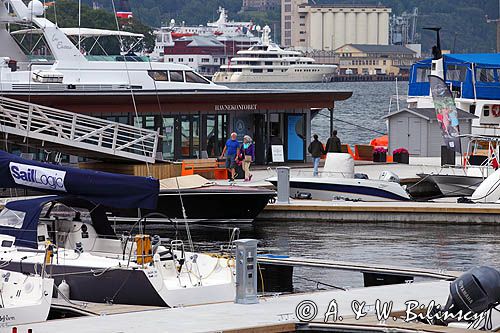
{"x": 170, "y": 59}
{"x": 288, "y": 41}
{"x": 288, "y": 25}
{"x": 205, "y": 60}
{"x": 180, "y": 59}
{"x": 288, "y": 8}
{"x": 257, "y": 70}
{"x": 288, "y": 33}
{"x": 288, "y": 18}
{"x": 301, "y": 40}
{"x": 190, "y": 60}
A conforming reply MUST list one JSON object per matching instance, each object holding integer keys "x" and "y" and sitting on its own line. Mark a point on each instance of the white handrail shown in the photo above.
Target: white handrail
{"x": 77, "y": 130}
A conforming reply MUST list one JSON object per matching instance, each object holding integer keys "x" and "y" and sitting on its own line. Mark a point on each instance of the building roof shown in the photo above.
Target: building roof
{"x": 370, "y": 48}
{"x": 428, "y": 113}
{"x": 201, "y": 41}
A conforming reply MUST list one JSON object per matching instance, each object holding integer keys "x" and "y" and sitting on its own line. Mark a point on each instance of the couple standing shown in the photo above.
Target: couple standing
{"x": 333, "y": 145}
{"x": 237, "y": 155}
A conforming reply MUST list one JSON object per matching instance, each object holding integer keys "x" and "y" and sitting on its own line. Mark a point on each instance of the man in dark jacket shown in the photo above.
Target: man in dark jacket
{"x": 316, "y": 150}
{"x": 333, "y": 145}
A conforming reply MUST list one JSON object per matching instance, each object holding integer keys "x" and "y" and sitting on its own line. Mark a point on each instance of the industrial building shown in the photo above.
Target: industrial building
{"x": 328, "y": 27}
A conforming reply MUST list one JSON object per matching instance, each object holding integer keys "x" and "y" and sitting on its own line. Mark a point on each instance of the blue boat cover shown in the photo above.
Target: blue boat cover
{"x": 26, "y": 234}
{"x": 109, "y": 189}
{"x": 480, "y": 79}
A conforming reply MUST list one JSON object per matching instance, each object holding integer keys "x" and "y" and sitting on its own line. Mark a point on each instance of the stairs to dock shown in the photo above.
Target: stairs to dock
{"x": 75, "y": 134}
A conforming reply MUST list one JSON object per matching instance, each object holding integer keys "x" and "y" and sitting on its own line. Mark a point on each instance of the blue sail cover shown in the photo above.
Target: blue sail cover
{"x": 26, "y": 233}
{"x": 113, "y": 190}
{"x": 461, "y": 71}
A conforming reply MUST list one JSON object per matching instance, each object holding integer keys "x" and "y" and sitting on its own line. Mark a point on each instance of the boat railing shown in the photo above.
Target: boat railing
{"x": 77, "y": 131}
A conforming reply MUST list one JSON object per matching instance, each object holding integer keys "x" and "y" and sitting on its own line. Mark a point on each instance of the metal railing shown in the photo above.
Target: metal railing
{"x": 78, "y": 131}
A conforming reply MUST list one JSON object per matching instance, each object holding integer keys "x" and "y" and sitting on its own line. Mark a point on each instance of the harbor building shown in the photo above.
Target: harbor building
{"x": 365, "y": 59}
{"x": 329, "y": 26}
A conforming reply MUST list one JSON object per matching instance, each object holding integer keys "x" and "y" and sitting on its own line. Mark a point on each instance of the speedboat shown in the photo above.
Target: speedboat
{"x": 24, "y": 298}
{"x": 338, "y": 182}
{"x": 96, "y": 264}
{"x": 198, "y": 200}
{"x": 479, "y": 162}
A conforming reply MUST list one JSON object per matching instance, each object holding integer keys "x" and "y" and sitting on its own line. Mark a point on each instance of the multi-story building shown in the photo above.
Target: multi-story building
{"x": 260, "y": 5}
{"x": 205, "y": 54}
{"x": 375, "y": 59}
{"x": 328, "y": 27}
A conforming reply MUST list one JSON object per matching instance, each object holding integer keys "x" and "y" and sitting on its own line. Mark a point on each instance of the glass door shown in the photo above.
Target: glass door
{"x": 168, "y": 141}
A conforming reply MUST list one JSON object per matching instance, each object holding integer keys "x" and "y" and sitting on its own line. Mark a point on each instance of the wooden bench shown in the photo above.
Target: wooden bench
{"x": 207, "y": 167}
{"x": 363, "y": 152}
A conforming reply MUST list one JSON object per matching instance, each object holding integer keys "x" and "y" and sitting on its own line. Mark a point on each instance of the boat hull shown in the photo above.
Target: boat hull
{"x": 215, "y": 204}
{"x": 277, "y": 77}
{"x": 347, "y": 189}
{"x": 455, "y": 185}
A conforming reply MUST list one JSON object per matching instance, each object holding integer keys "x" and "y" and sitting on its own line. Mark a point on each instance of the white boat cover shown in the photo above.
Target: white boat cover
{"x": 341, "y": 165}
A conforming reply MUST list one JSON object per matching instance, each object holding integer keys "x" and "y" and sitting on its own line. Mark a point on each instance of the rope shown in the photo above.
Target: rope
{"x": 128, "y": 77}
{"x": 355, "y": 125}
{"x": 319, "y": 282}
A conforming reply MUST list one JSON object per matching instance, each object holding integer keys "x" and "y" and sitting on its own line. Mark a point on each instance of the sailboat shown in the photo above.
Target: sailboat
{"x": 96, "y": 264}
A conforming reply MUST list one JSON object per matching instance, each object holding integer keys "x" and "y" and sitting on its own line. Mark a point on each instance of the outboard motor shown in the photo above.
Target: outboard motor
{"x": 474, "y": 292}
{"x": 389, "y": 176}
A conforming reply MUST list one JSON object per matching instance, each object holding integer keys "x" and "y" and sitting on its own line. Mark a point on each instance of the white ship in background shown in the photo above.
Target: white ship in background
{"x": 267, "y": 62}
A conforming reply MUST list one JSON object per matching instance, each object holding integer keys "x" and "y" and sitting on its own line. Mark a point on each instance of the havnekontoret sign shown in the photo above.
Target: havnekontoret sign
{"x": 236, "y": 107}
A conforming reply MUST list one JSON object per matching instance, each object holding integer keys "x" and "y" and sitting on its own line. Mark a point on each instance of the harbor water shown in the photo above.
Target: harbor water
{"x": 432, "y": 246}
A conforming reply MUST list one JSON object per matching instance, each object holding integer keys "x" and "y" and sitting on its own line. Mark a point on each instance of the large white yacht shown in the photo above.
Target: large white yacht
{"x": 71, "y": 71}
{"x": 267, "y": 62}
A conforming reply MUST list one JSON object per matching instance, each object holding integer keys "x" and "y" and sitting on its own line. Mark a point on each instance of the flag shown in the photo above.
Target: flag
{"x": 446, "y": 112}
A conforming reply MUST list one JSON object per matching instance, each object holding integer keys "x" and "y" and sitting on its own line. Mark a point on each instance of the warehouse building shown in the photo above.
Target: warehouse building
{"x": 328, "y": 27}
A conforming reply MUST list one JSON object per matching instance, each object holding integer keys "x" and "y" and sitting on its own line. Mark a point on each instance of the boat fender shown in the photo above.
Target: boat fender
{"x": 64, "y": 289}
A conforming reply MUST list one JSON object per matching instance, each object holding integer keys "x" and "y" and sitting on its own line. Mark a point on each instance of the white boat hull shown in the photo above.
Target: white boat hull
{"x": 346, "y": 189}
{"x": 25, "y": 299}
{"x": 291, "y": 75}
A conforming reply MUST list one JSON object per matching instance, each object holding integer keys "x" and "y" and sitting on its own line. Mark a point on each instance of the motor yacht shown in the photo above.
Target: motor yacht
{"x": 267, "y": 62}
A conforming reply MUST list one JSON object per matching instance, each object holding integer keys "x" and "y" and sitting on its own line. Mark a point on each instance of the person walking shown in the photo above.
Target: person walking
{"x": 333, "y": 144}
{"x": 249, "y": 153}
{"x": 316, "y": 150}
{"x": 231, "y": 151}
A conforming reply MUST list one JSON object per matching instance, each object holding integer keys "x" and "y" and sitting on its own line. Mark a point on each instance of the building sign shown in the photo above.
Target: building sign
{"x": 277, "y": 153}
{"x": 236, "y": 107}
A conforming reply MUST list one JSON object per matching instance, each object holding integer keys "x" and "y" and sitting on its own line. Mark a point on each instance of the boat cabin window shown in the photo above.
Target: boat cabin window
{"x": 11, "y": 218}
{"x": 176, "y": 76}
{"x": 486, "y": 75}
{"x": 158, "y": 75}
{"x": 257, "y": 70}
{"x": 456, "y": 73}
{"x": 423, "y": 74}
{"x": 195, "y": 78}
{"x": 63, "y": 212}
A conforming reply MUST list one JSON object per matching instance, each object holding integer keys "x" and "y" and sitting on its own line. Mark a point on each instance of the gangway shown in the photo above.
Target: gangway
{"x": 74, "y": 133}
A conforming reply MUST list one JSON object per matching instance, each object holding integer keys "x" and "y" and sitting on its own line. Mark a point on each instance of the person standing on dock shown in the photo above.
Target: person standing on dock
{"x": 249, "y": 153}
{"x": 231, "y": 150}
{"x": 333, "y": 144}
{"x": 316, "y": 150}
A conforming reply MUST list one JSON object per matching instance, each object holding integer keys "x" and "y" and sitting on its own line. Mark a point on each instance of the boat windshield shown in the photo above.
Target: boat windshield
{"x": 11, "y": 218}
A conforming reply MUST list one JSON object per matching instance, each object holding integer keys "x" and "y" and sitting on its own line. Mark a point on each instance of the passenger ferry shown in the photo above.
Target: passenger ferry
{"x": 267, "y": 62}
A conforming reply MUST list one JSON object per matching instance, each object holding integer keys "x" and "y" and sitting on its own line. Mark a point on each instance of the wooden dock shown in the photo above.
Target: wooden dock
{"x": 278, "y": 313}
{"x": 97, "y": 309}
{"x": 395, "y": 211}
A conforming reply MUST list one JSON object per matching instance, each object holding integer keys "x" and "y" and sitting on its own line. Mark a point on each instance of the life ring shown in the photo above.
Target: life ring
{"x": 495, "y": 110}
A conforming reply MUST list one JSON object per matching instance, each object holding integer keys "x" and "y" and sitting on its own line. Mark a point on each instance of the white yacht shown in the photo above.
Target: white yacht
{"x": 267, "y": 62}
{"x": 70, "y": 71}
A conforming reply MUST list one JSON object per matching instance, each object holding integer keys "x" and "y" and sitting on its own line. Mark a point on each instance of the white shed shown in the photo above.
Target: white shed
{"x": 418, "y": 130}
